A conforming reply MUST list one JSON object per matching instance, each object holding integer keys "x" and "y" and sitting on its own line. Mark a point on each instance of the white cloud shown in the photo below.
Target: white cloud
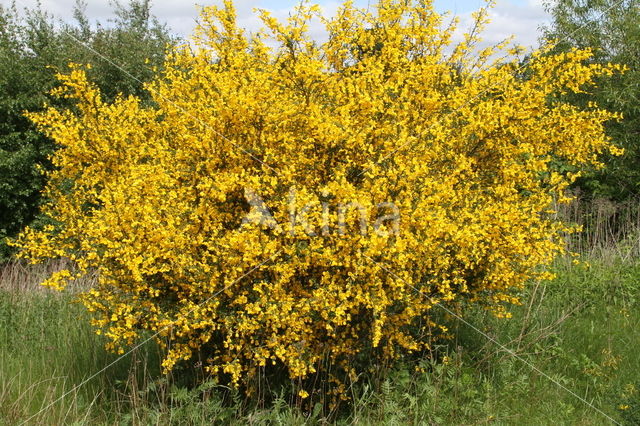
{"x": 521, "y": 19}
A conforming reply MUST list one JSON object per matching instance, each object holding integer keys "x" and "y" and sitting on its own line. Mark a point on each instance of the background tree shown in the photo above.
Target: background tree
{"x": 33, "y": 47}
{"x": 614, "y": 35}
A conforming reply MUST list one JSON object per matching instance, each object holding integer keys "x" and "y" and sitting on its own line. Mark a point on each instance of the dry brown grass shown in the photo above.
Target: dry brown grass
{"x": 607, "y": 226}
{"x": 18, "y": 275}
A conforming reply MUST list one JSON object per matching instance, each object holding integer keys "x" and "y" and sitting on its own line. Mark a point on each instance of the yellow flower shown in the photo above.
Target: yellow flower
{"x": 398, "y": 172}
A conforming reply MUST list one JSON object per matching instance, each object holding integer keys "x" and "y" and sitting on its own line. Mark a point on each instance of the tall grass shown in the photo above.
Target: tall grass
{"x": 47, "y": 347}
{"x": 607, "y": 226}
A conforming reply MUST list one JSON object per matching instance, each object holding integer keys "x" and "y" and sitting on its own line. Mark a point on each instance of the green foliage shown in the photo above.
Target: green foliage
{"x": 614, "y": 34}
{"x": 33, "y": 47}
{"x": 580, "y": 330}
{"x": 630, "y": 404}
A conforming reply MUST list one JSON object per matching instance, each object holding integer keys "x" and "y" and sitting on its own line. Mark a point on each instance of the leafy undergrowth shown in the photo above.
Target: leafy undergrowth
{"x": 568, "y": 356}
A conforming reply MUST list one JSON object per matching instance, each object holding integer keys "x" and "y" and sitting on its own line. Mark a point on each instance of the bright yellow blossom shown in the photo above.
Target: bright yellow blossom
{"x": 169, "y": 202}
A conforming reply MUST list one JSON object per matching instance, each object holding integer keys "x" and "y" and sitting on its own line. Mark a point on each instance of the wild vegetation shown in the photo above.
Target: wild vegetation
{"x": 612, "y": 31}
{"x": 579, "y": 330}
{"x": 33, "y": 48}
{"x": 463, "y": 152}
{"x": 279, "y": 233}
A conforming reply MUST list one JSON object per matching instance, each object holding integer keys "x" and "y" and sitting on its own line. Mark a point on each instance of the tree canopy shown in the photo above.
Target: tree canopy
{"x": 613, "y": 34}
{"x": 33, "y": 48}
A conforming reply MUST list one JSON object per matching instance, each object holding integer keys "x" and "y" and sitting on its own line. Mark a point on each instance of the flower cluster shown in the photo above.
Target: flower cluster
{"x": 387, "y": 111}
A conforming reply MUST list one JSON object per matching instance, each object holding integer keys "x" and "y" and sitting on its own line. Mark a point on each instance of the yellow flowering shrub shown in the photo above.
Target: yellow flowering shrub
{"x": 288, "y": 202}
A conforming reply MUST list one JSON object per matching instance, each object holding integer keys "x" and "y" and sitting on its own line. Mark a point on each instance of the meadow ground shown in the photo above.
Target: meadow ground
{"x": 569, "y": 355}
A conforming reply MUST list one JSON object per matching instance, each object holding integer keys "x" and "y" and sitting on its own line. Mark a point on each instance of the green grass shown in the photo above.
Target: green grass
{"x": 47, "y": 347}
{"x": 580, "y": 330}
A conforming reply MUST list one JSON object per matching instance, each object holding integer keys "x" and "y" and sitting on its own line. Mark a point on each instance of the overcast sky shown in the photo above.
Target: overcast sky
{"x": 521, "y": 18}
